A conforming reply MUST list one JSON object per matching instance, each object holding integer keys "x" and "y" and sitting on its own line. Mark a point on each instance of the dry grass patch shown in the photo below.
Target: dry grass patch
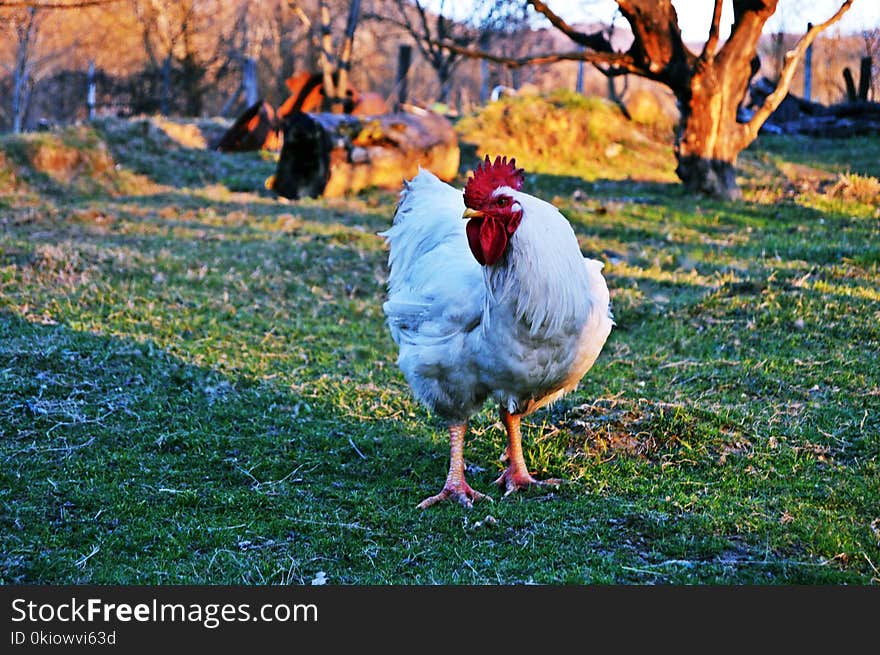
{"x": 567, "y": 134}
{"x": 859, "y": 188}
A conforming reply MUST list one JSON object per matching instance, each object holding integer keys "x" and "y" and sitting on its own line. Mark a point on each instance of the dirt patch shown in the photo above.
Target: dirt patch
{"x": 616, "y": 426}
{"x": 73, "y": 159}
{"x": 8, "y": 179}
{"x": 57, "y": 161}
{"x": 67, "y": 155}
{"x": 610, "y": 427}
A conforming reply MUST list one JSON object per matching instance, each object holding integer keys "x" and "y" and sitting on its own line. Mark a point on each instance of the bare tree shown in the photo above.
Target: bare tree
{"x": 35, "y": 48}
{"x": 25, "y": 26}
{"x": 709, "y": 85}
{"x": 256, "y": 26}
{"x": 187, "y": 36}
{"x": 429, "y": 32}
{"x": 35, "y": 43}
{"x": 335, "y": 65}
{"x": 485, "y": 25}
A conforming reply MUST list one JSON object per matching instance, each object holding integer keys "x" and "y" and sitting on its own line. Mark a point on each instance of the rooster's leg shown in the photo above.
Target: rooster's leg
{"x": 516, "y": 476}
{"x": 455, "y": 488}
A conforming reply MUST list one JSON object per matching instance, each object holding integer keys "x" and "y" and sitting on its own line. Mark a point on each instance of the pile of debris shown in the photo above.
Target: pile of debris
{"x": 333, "y": 154}
{"x": 261, "y": 126}
{"x": 797, "y": 115}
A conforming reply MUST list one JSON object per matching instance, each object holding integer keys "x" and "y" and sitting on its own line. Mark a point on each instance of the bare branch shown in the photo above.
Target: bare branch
{"x": 792, "y": 59}
{"x": 382, "y": 18}
{"x": 618, "y": 62}
{"x": 298, "y": 10}
{"x": 714, "y": 31}
{"x": 326, "y": 50}
{"x": 597, "y": 41}
{"x": 423, "y": 17}
{"x": 74, "y": 4}
{"x": 749, "y": 19}
{"x": 422, "y": 40}
{"x": 600, "y": 53}
{"x": 658, "y": 47}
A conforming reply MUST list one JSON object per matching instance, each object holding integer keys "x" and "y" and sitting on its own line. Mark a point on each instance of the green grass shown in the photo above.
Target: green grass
{"x": 196, "y": 386}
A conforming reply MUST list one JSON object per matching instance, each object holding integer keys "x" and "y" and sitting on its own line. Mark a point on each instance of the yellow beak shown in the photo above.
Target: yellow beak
{"x": 472, "y": 213}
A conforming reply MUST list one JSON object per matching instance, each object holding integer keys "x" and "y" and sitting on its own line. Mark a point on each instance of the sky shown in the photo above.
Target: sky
{"x": 694, "y": 16}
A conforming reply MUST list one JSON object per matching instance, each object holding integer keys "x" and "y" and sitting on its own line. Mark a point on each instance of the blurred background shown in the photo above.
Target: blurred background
{"x": 202, "y": 58}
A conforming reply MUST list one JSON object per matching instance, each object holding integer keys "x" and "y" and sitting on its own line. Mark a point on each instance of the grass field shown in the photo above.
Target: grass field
{"x": 196, "y": 384}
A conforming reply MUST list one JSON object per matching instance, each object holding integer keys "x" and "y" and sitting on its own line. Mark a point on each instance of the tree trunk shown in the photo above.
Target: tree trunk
{"x": 19, "y": 101}
{"x": 715, "y": 177}
{"x": 250, "y": 83}
{"x": 21, "y": 77}
{"x": 710, "y": 94}
{"x": 705, "y": 152}
{"x": 329, "y": 96}
{"x": 444, "y": 76}
{"x": 709, "y": 137}
{"x": 192, "y": 75}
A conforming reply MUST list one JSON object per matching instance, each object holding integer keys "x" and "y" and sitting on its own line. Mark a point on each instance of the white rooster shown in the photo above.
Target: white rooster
{"x": 501, "y": 304}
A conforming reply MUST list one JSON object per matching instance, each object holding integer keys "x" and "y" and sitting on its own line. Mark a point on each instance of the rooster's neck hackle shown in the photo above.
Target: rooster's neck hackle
{"x": 542, "y": 278}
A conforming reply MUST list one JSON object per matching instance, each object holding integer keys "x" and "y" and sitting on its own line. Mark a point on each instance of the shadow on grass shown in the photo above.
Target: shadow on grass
{"x": 123, "y": 464}
{"x": 855, "y": 154}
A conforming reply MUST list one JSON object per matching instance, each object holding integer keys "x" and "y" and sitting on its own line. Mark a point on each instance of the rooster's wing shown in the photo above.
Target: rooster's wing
{"x": 435, "y": 296}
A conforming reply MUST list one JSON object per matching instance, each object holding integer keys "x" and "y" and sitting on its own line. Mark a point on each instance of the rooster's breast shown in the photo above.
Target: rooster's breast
{"x": 527, "y": 369}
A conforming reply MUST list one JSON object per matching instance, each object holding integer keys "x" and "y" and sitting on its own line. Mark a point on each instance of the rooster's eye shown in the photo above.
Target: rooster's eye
{"x": 502, "y": 201}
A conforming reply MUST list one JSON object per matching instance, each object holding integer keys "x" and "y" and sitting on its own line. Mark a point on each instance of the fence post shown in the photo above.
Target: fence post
{"x": 864, "y": 78}
{"x": 484, "y": 43}
{"x": 166, "y": 86}
{"x": 850, "y": 85}
{"x": 404, "y": 58}
{"x": 579, "y": 84}
{"x": 250, "y": 82}
{"x": 91, "y": 90}
{"x": 808, "y": 68}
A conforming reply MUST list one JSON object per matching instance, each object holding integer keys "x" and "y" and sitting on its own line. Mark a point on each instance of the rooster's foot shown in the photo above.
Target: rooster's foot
{"x": 460, "y": 492}
{"x": 514, "y": 479}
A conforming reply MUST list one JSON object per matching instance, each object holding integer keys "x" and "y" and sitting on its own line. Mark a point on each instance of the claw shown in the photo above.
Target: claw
{"x": 462, "y": 493}
{"x": 513, "y": 480}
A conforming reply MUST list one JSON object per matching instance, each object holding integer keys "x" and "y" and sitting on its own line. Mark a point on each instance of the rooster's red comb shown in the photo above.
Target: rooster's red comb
{"x": 490, "y": 175}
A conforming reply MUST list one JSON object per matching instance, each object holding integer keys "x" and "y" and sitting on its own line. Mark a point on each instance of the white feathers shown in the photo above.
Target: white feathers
{"x": 524, "y": 330}
{"x": 544, "y": 279}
